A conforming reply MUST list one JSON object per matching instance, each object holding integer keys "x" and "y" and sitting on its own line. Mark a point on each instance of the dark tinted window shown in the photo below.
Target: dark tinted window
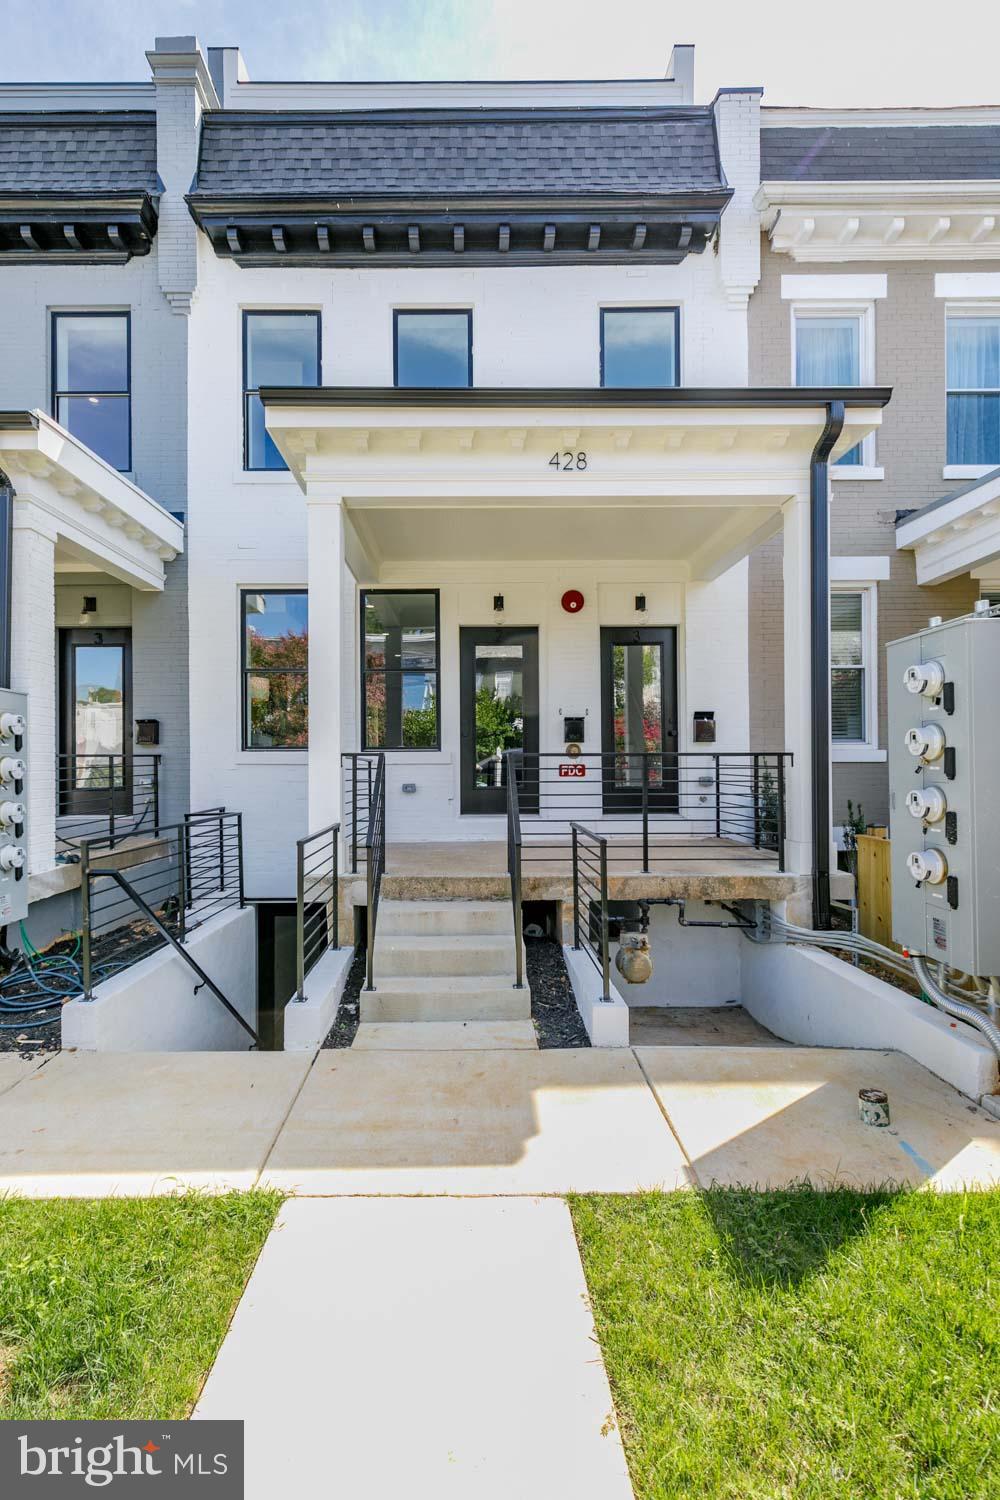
{"x": 639, "y": 346}
{"x": 433, "y": 348}
{"x": 278, "y": 349}
{"x": 91, "y": 397}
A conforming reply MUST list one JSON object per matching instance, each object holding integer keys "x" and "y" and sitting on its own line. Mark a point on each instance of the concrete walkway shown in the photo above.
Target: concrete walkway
{"x": 506, "y": 1123}
{"x": 402, "y": 1347}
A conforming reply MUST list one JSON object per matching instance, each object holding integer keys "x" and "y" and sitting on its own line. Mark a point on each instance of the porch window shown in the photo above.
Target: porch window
{"x": 849, "y": 667}
{"x": 432, "y": 348}
{"x": 279, "y": 348}
{"x": 91, "y": 391}
{"x": 829, "y": 351}
{"x": 973, "y": 389}
{"x": 400, "y": 675}
{"x": 275, "y": 669}
{"x": 640, "y": 346}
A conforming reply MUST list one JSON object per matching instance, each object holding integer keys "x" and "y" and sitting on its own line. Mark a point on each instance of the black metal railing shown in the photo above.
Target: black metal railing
{"x": 317, "y": 921}
{"x": 357, "y": 786}
{"x": 514, "y": 871}
{"x": 654, "y": 809}
{"x": 136, "y": 898}
{"x": 591, "y": 926}
{"x": 375, "y": 860}
{"x": 115, "y": 797}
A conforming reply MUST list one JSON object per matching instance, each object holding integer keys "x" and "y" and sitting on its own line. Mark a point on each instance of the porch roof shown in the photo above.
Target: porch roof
{"x": 99, "y": 519}
{"x": 956, "y": 534}
{"x": 455, "y": 475}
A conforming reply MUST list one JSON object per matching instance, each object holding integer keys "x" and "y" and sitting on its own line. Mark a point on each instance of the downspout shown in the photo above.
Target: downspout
{"x": 819, "y": 617}
{"x": 6, "y": 575}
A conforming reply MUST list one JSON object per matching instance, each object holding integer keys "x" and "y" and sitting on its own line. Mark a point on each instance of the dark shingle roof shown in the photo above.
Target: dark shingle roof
{"x": 78, "y": 154}
{"x": 463, "y": 152}
{"x": 892, "y": 153}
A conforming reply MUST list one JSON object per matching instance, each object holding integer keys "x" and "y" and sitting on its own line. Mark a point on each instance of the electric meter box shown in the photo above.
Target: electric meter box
{"x": 944, "y": 792}
{"x": 13, "y": 807}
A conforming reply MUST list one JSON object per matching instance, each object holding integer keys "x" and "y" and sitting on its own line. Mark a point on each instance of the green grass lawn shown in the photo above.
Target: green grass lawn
{"x": 116, "y": 1308}
{"x": 801, "y": 1344}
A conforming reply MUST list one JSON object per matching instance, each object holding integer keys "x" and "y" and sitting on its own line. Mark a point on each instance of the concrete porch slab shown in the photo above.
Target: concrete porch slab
{"x": 95, "y": 1124}
{"x": 773, "y": 1116}
{"x": 475, "y": 1122}
{"x": 445, "y": 1036}
{"x": 438, "y": 1348}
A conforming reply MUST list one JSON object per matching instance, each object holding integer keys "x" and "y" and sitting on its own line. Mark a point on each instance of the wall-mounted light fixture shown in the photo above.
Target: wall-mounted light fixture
{"x": 498, "y": 603}
{"x": 89, "y": 608}
{"x": 640, "y": 603}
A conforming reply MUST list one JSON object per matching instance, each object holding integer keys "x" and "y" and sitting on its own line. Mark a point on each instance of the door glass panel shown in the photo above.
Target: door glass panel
{"x": 99, "y": 726}
{"x": 499, "y": 708}
{"x": 637, "y": 679}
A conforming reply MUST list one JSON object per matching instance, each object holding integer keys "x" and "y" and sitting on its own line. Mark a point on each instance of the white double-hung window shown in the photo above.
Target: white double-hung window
{"x": 853, "y": 671}
{"x": 973, "y": 364}
{"x": 830, "y": 349}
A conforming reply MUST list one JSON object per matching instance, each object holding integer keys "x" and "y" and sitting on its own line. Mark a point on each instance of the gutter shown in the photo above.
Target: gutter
{"x": 819, "y": 639}
{"x": 742, "y": 397}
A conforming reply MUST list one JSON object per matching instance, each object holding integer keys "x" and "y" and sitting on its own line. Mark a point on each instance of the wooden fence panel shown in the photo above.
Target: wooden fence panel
{"x": 875, "y": 887}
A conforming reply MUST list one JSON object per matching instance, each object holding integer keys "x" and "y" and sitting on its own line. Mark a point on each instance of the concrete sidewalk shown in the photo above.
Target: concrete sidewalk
{"x": 408, "y": 1347}
{"x": 506, "y": 1123}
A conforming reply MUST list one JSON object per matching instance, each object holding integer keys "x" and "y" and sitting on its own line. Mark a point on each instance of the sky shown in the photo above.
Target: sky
{"x": 850, "y": 53}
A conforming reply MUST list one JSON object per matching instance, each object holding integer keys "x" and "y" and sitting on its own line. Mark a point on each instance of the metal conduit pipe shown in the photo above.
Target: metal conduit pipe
{"x": 959, "y": 1010}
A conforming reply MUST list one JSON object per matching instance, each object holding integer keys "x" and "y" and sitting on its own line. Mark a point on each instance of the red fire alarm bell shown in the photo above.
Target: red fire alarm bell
{"x": 572, "y": 601}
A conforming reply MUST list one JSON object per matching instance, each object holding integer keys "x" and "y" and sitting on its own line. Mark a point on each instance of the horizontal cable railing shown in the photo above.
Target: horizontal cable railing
{"x": 357, "y": 788}
{"x": 655, "y": 809}
{"x": 134, "y": 897}
{"x": 316, "y": 901}
{"x": 590, "y": 900}
{"x": 116, "y": 797}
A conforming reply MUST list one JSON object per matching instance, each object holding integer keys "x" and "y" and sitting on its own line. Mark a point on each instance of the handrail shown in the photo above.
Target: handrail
{"x": 375, "y": 860}
{"x": 512, "y": 759}
{"x": 114, "y": 791}
{"x": 161, "y": 927}
{"x": 317, "y": 879}
{"x": 590, "y": 881}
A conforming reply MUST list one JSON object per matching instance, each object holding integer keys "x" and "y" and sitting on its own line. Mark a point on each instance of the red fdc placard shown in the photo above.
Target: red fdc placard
{"x": 572, "y": 768}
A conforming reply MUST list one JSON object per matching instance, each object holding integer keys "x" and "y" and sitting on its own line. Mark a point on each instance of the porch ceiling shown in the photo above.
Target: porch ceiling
{"x": 96, "y": 517}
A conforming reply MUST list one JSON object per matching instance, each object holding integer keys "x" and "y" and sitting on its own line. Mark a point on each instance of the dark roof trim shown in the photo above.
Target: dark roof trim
{"x": 58, "y": 118}
{"x": 963, "y": 489}
{"x": 781, "y": 397}
{"x": 478, "y": 114}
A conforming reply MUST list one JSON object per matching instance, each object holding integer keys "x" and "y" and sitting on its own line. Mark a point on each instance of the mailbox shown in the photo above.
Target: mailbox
{"x": 704, "y": 726}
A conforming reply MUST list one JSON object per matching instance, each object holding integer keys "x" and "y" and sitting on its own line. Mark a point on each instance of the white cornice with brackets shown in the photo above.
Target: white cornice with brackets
{"x": 887, "y": 221}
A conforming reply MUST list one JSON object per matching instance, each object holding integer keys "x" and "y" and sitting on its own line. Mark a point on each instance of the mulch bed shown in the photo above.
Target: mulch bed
{"x": 345, "y": 1022}
{"x": 553, "y": 1005}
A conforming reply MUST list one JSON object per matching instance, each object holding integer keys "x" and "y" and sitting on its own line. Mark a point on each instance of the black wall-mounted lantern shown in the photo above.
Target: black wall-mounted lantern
{"x": 498, "y": 604}
{"x": 640, "y": 603}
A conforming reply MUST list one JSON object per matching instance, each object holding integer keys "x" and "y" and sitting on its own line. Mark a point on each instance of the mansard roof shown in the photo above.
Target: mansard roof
{"x": 879, "y": 153}
{"x": 485, "y": 182}
{"x": 77, "y": 185}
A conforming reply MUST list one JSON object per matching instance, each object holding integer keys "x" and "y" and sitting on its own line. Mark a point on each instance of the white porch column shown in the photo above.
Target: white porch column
{"x": 33, "y": 670}
{"x": 326, "y": 581}
{"x": 798, "y": 707}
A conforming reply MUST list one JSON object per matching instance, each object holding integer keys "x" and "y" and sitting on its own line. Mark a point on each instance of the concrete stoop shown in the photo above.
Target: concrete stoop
{"x": 444, "y": 963}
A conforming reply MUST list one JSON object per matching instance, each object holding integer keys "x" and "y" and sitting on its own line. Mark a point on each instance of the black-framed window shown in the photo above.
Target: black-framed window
{"x": 400, "y": 670}
{"x": 275, "y": 668}
{"x": 279, "y": 348}
{"x": 431, "y": 348}
{"x": 91, "y": 381}
{"x": 640, "y": 346}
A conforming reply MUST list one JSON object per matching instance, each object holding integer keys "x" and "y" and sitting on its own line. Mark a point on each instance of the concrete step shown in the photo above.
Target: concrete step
{"x": 464, "y": 997}
{"x": 446, "y": 1036}
{"x": 462, "y": 918}
{"x": 443, "y": 955}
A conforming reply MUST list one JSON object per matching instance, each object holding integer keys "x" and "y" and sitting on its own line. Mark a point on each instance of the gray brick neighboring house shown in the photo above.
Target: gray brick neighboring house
{"x": 889, "y": 224}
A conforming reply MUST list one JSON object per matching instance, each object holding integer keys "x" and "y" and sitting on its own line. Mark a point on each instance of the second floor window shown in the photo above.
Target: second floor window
{"x": 275, "y": 669}
{"x": 279, "y": 348}
{"x": 828, "y": 352}
{"x": 974, "y": 389}
{"x": 640, "y": 346}
{"x": 91, "y": 394}
{"x": 432, "y": 348}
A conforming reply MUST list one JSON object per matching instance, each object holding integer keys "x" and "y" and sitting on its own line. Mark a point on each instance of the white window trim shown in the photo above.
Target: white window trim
{"x": 864, "y": 311}
{"x": 967, "y": 307}
{"x": 868, "y": 748}
{"x": 834, "y": 288}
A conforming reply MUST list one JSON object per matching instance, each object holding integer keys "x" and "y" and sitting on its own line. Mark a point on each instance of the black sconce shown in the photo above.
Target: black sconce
{"x": 640, "y": 602}
{"x": 498, "y": 603}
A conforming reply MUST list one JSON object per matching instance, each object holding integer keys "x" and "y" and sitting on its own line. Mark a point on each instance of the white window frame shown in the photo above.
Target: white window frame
{"x": 966, "y": 308}
{"x": 864, "y": 312}
{"x": 866, "y": 749}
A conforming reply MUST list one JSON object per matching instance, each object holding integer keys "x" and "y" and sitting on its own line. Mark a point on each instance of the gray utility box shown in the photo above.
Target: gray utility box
{"x": 944, "y": 792}
{"x": 13, "y": 806}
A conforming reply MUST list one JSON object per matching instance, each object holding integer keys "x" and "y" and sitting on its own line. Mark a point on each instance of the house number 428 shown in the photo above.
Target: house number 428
{"x": 565, "y": 462}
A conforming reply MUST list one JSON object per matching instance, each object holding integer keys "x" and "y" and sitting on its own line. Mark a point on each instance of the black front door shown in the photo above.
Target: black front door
{"x": 499, "y": 708}
{"x": 639, "y": 717}
{"x": 95, "y": 721}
